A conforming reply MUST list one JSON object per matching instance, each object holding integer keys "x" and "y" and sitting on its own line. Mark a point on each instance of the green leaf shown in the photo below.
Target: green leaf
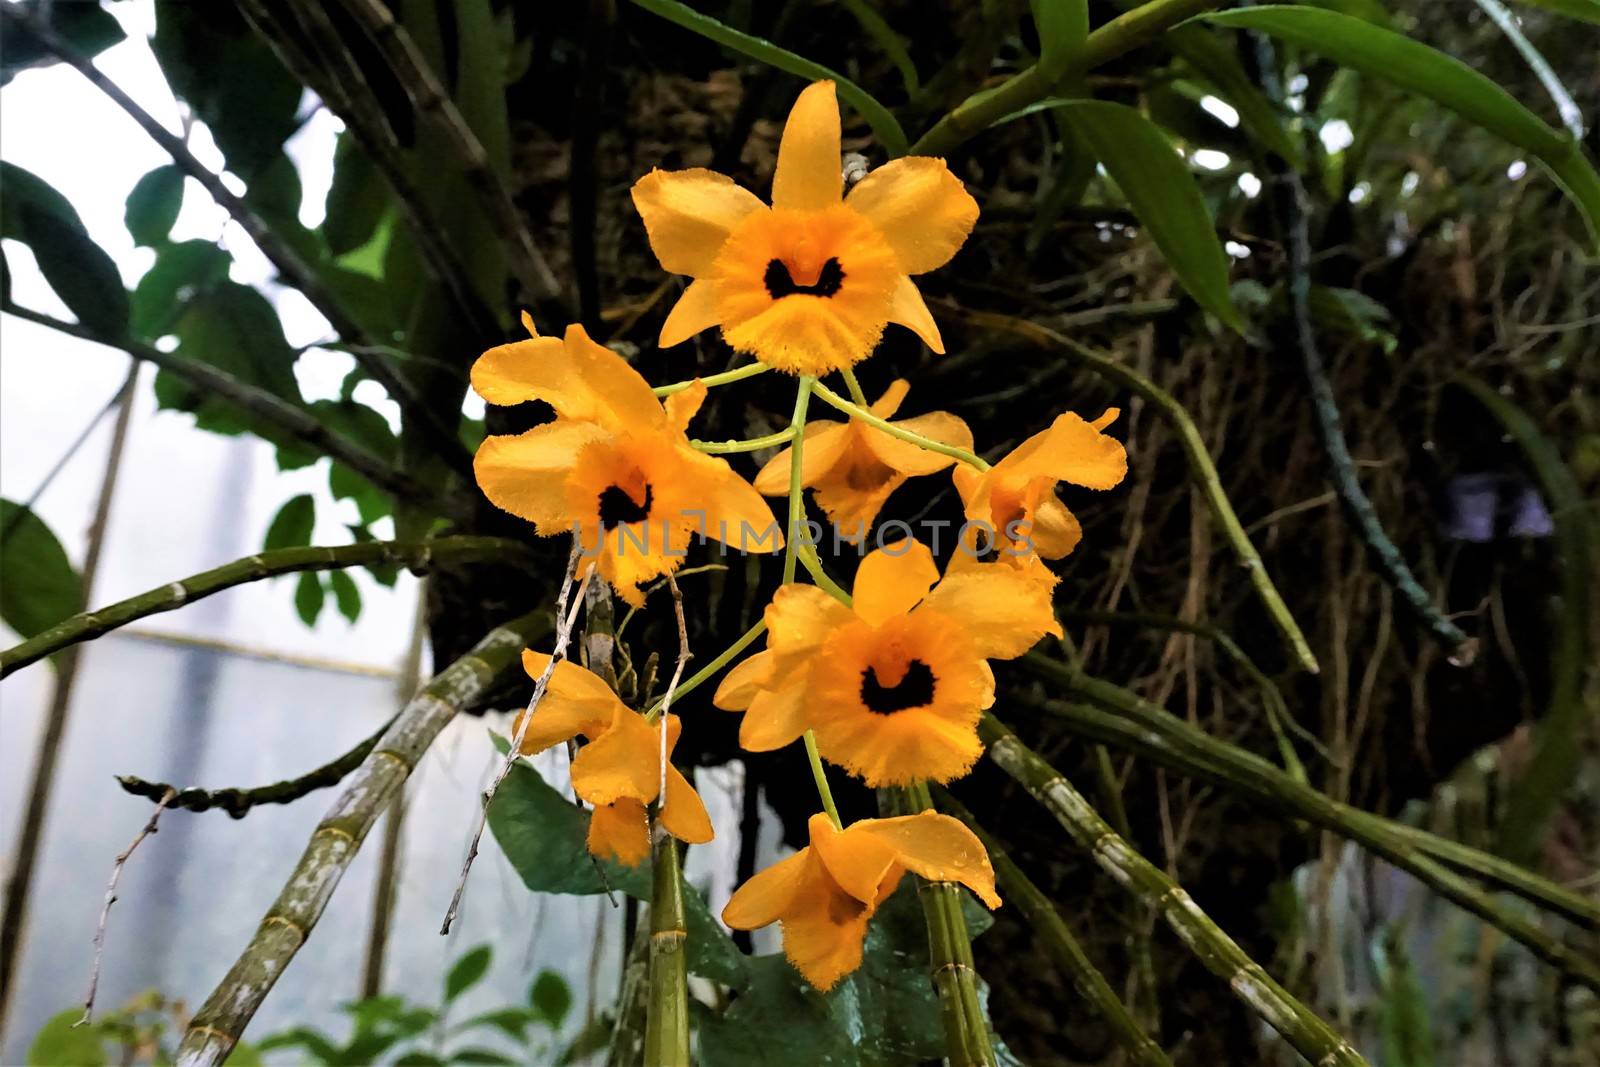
{"x": 356, "y": 200}
{"x": 1217, "y": 64}
{"x": 371, "y": 502}
{"x": 889, "y": 1004}
{"x": 302, "y": 1037}
{"x": 1412, "y": 65}
{"x": 513, "y": 1022}
{"x": 89, "y": 28}
{"x": 1162, "y": 193}
{"x": 79, "y": 271}
{"x": 309, "y": 597}
{"x": 38, "y": 586}
{"x": 59, "y": 1041}
{"x": 888, "y": 130}
{"x": 1403, "y": 1019}
{"x": 385, "y": 574}
{"x": 1062, "y": 26}
{"x": 467, "y": 971}
{"x": 551, "y": 998}
{"x": 875, "y": 26}
{"x": 291, "y": 527}
{"x": 1587, "y": 10}
{"x": 234, "y": 329}
{"x": 346, "y": 597}
{"x": 181, "y": 272}
{"x": 231, "y": 78}
{"x": 152, "y": 207}
{"x": 479, "y": 1055}
{"x": 779, "y": 1021}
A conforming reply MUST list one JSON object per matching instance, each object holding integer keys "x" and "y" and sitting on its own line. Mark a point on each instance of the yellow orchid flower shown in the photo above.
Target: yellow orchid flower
{"x": 619, "y": 770}
{"x": 615, "y": 466}
{"x": 894, "y": 686}
{"x": 854, "y": 468}
{"x": 825, "y": 893}
{"x": 808, "y": 284}
{"x": 1015, "y": 503}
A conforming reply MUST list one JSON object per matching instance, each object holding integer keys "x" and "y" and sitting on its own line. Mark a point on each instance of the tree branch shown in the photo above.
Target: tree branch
{"x": 1206, "y": 941}
{"x": 434, "y": 104}
{"x": 215, "y": 1029}
{"x": 284, "y": 258}
{"x": 294, "y": 420}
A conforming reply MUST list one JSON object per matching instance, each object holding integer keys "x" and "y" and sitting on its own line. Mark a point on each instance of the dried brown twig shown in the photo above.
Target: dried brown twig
{"x": 111, "y": 898}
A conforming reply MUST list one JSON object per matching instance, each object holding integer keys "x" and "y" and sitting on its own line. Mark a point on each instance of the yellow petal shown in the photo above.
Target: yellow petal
{"x": 1055, "y": 530}
{"x": 620, "y": 831}
{"x": 695, "y": 310}
{"x": 801, "y": 617}
{"x": 520, "y": 371}
{"x": 734, "y": 513}
{"x": 937, "y": 847}
{"x": 912, "y": 459}
{"x": 825, "y": 444}
{"x": 1071, "y": 450}
{"x": 886, "y": 405}
{"x": 685, "y": 404}
{"x": 893, "y": 580}
{"x": 684, "y": 813}
{"x": 907, "y": 308}
{"x": 808, "y": 177}
{"x": 527, "y": 324}
{"x": 624, "y": 761}
{"x": 767, "y": 895}
{"x": 824, "y": 928}
{"x": 1002, "y": 611}
{"x": 860, "y": 863}
{"x": 776, "y": 716}
{"x": 740, "y": 685}
{"x": 688, "y": 214}
{"x": 527, "y": 474}
{"x": 922, "y": 210}
{"x": 575, "y": 702}
{"x": 852, "y": 507}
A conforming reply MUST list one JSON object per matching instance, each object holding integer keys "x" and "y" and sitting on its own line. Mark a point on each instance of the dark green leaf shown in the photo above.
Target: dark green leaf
{"x": 346, "y": 597}
{"x": 1220, "y": 67}
{"x": 1587, "y": 10}
{"x": 38, "y": 586}
{"x": 889, "y": 1004}
{"x": 467, "y": 971}
{"x": 779, "y": 1021}
{"x": 153, "y": 205}
{"x": 88, "y": 28}
{"x": 302, "y": 1037}
{"x": 543, "y": 835}
{"x": 1062, "y": 26}
{"x": 1412, "y": 65}
{"x": 59, "y": 1041}
{"x": 371, "y": 502}
{"x": 79, "y": 271}
{"x": 874, "y": 25}
{"x": 592, "y": 1039}
{"x": 180, "y": 273}
{"x": 308, "y": 597}
{"x": 711, "y": 952}
{"x": 234, "y": 329}
{"x": 551, "y": 998}
{"x": 419, "y": 1059}
{"x": 291, "y": 527}
{"x": 513, "y": 1022}
{"x": 384, "y": 574}
{"x": 479, "y": 1055}
{"x": 1403, "y": 1010}
{"x": 1163, "y": 195}
{"x": 356, "y": 199}
{"x": 231, "y": 78}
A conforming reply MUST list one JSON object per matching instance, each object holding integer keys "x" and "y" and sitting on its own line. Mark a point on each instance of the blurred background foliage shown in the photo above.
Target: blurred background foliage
{"x": 1142, "y": 204}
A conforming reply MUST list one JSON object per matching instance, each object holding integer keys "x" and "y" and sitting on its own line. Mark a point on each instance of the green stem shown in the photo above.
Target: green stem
{"x": 820, "y": 775}
{"x": 797, "y": 505}
{"x": 1201, "y": 469}
{"x": 666, "y": 1033}
{"x": 415, "y": 554}
{"x": 1132, "y": 29}
{"x": 711, "y": 381}
{"x": 704, "y": 674}
{"x": 1215, "y": 950}
{"x": 966, "y": 1034}
{"x": 854, "y": 386}
{"x": 1046, "y": 924}
{"x": 813, "y": 566}
{"x": 856, "y": 411}
{"x": 750, "y": 444}
{"x": 1127, "y": 721}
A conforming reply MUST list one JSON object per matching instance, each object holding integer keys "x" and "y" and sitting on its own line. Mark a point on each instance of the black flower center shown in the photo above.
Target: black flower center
{"x": 780, "y": 283}
{"x": 617, "y": 507}
{"x": 914, "y": 690}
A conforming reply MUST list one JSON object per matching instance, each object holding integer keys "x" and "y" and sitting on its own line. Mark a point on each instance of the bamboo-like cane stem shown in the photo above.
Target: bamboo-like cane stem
{"x": 1213, "y": 948}
{"x": 966, "y": 1034}
{"x": 666, "y": 1031}
{"x": 1201, "y": 469}
{"x": 283, "y": 257}
{"x": 1138, "y": 726}
{"x": 414, "y": 554}
{"x": 434, "y": 104}
{"x": 216, "y": 1027}
{"x": 296, "y": 421}
{"x": 1057, "y": 939}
